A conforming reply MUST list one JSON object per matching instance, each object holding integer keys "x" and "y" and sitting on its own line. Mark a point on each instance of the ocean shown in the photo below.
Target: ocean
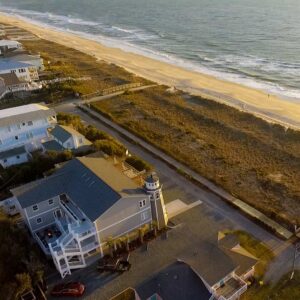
{"x": 252, "y": 42}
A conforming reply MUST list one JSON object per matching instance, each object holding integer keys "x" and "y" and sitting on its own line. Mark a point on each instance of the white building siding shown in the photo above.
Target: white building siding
{"x": 43, "y": 210}
{"x": 14, "y": 160}
{"x": 32, "y": 132}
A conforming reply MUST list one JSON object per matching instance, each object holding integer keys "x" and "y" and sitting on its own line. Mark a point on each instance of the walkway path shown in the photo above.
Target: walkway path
{"x": 104, "y": 97}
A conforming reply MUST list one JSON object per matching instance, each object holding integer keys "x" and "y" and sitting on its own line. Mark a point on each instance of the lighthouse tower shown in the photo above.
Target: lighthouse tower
{"x": 154, "y": 189}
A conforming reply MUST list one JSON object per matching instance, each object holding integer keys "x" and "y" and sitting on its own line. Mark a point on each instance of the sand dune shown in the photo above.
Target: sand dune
{"x": 254, "y": 101}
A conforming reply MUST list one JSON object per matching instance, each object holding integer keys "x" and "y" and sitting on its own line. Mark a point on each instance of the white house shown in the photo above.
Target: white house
{"x": 23, "y": 127}
{"x": 14, "y": 156}
{"x": 24, "y": 71}
{"x": 86, "y": 204}
{"x": 68, "y": 137}
{"x": 8, "y": 46}
{"x": 31, "y": 59}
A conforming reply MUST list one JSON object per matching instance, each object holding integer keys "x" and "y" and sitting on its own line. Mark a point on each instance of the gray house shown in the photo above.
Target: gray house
{"x": 87, "y": 204}
{"x": 69, "y": 138}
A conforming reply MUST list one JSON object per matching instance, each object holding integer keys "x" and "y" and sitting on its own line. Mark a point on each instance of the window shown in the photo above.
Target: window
{"x": 23, "y": 124}
{"x": 18, "y": 156}
{"x": 5, "y": 160}
{"x": 157, "y": 196}
{"x": 144, "y": 215}
{"x": 29, "y": 135}
{"x": 16, "y": 137}
{"x": 30, "y": 123}
{"x": 50, "y": 201}
{"x": 35, "y": 207}
{"x": 142, "y": 203}
{"x": 39, "y": 220}
{"x": 68, "y": 145}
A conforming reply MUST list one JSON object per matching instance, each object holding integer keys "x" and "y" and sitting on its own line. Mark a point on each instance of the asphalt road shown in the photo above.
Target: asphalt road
{"x": 218, "y": 213}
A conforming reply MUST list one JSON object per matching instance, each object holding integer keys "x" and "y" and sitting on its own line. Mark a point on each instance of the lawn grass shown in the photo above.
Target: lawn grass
{"x": 252, "y": 159}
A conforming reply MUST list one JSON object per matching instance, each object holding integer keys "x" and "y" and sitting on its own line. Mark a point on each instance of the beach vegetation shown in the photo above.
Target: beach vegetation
{"x": 256, "y": 161}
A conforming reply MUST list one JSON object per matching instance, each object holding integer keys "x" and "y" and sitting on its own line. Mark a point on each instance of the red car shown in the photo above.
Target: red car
{"x": 71, "y": 289}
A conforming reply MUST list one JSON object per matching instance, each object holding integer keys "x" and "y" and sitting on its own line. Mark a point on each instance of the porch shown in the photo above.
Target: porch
{"x": 232, "y": 289}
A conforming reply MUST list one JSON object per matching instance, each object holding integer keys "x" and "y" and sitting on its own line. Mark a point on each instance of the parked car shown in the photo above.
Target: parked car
{"x": 70, "y": 289}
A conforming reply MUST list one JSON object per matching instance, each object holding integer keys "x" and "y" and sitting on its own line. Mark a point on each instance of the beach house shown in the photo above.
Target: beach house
{"x": 86, "y": 206}
{"x": 25, "y": 72}
{"x": 69, "y": 138}
{"x": 31, "y": 59}
{"x": 10, "y": 83}
{"x": 7, "y": 46}
{"x": 22, "y": 130}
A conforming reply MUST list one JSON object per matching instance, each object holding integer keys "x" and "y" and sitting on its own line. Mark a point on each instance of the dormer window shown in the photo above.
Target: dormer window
{"x": 142, "y": 203}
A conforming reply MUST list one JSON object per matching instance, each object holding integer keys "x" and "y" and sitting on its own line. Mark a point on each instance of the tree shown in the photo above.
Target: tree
{"x": 24, "y": 284}
{"x": 110, "y": 245}
{"x": 142, "y": 231}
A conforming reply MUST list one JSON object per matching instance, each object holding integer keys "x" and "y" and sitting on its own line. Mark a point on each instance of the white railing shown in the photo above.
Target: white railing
{"x": 236, "y": 295}
{"x": 90, "y": 247}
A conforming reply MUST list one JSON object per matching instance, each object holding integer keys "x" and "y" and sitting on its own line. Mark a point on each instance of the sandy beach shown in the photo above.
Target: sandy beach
{"x": 269, "y": 107}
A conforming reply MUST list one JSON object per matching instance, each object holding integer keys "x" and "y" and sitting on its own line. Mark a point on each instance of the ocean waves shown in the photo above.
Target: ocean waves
{"x": 265, "y": 73}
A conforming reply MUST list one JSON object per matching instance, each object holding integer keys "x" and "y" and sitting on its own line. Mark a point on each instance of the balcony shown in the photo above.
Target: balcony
{"x": 47, "y": 236}
{"x": 232, "y": 289}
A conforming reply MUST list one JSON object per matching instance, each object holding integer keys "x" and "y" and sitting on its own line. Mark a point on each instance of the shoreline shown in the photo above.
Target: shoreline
{"x": 269, "y": 107}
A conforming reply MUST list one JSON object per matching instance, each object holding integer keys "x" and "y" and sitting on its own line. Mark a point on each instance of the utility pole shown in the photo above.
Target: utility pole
{"x": 296, "y": 253}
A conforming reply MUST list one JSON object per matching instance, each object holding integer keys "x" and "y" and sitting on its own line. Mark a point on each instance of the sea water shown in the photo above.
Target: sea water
{"x": 252, "y": 42}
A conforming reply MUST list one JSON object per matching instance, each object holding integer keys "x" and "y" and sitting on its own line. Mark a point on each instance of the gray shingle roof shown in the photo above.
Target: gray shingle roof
{"x": 12, "y": 152}
{"x": 8, "y": 64}
{"x": 53, "y": 146}
{"x": 10, "y": 79}
{"x": 26, "y": 116}
{"x": 216, "y": 265}
{"x": 176, "y": 282}
{"x": 60, "y": 133}
{"x": 93, "y": 184}
{"x": 244, "y": 263}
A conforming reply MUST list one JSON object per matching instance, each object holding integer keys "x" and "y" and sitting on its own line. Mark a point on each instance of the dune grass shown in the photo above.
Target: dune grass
{"x": 255, "y": 161}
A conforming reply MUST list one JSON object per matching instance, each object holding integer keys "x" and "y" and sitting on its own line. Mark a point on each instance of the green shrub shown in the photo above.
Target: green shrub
{"x": 93, "y": 134}
{"x": 138, "y": 163}
{"x": 110, "y": 147}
